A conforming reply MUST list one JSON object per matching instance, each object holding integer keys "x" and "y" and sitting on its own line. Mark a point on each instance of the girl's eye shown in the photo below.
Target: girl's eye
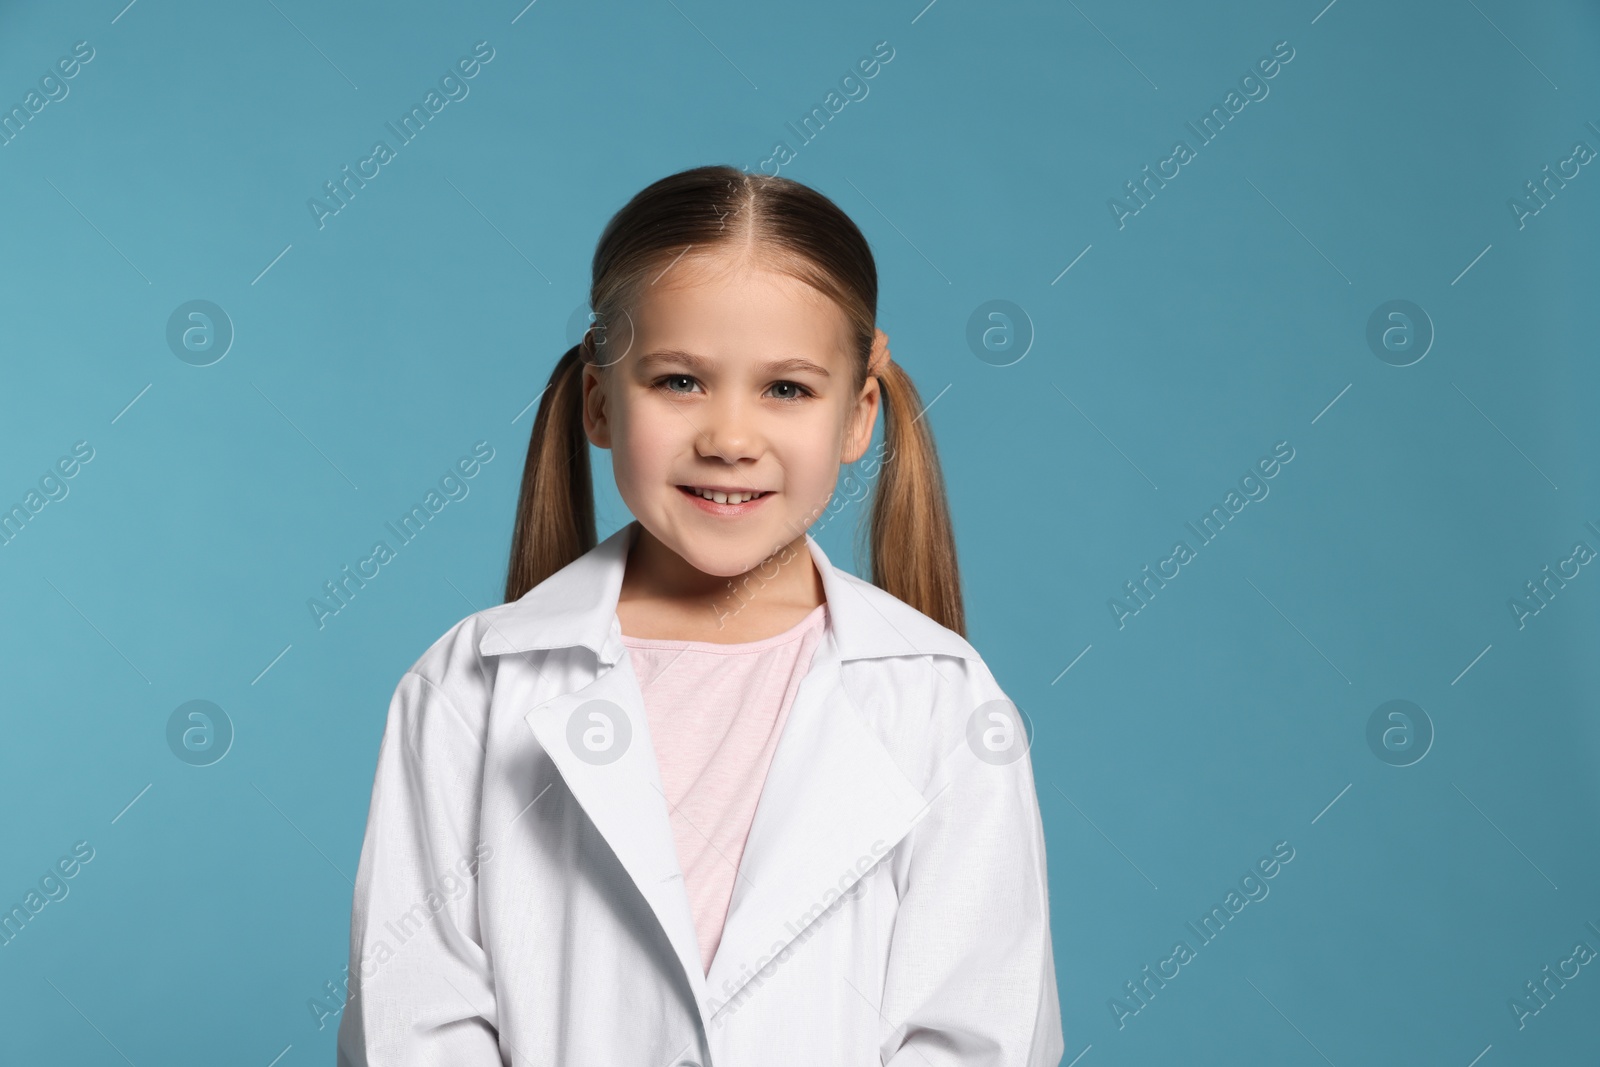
{"x": 800, "y": 390}
{"x": 668, "y": 381}
{"x": 785, "y": 391}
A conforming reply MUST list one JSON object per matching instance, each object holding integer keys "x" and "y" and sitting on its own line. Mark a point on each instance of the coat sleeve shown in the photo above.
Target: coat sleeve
{"x": 970, "y": 977}
{"x": 421, "y": 989}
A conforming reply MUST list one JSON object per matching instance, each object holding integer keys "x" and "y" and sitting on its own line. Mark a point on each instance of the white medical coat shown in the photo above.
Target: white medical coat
{"x": 519, "y": 899}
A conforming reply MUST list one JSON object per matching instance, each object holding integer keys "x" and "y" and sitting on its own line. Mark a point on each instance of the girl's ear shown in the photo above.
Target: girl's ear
{"x": 863, "y": 417}
{"x": 596, "y": 425}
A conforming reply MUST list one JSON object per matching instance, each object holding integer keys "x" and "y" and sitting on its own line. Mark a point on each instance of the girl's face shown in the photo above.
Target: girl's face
{"x": 728, "y": 378}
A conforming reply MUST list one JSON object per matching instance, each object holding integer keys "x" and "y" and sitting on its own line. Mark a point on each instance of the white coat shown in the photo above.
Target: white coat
{"x": 519, "y": 899}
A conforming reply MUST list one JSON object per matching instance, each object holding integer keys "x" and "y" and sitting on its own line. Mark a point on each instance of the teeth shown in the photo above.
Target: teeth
{"x": 724, "y": 498}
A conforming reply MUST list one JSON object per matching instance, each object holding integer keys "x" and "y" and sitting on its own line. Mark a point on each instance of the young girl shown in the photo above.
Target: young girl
{"x": 693, "y": 796}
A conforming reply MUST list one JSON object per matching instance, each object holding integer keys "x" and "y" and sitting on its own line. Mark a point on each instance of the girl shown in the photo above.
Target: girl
{"x": 693, "y": 796}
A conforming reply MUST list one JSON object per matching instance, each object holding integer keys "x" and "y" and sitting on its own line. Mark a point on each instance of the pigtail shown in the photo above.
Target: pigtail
{"x": 555, "y": 509}
{"x": 913, "y": 543}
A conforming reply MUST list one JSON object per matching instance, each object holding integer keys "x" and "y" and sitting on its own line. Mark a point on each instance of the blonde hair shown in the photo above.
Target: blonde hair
{"x": 805, "y": 235}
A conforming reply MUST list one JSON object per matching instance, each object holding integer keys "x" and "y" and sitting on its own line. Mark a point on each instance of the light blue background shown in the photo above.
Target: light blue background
{"x": 1227, "y": 315}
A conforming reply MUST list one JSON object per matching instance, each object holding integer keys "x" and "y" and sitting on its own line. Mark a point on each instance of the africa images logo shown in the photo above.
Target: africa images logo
{"x": 1212, "y": 123}
{"x": 1253, "y": 887}
{"x": 452, "y": 84}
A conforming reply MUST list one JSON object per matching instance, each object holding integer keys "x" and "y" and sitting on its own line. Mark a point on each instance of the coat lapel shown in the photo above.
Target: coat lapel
{"x": 599, "y": 739}
{"x": 834, "y": 803}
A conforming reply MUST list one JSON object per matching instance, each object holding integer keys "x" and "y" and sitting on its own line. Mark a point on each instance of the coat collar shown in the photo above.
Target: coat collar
{"x": 577, "y": 605}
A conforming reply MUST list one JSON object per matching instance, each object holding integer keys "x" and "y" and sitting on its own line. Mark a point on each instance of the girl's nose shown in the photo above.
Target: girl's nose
{"x": 729, "y": 433}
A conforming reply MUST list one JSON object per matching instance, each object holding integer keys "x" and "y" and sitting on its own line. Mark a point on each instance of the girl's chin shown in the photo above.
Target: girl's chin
{"x": 725, "y": 553}
{"x": 725, "y": 564}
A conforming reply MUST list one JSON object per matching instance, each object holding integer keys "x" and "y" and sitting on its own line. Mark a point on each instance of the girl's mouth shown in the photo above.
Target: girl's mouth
{"x": 724, "y": 501}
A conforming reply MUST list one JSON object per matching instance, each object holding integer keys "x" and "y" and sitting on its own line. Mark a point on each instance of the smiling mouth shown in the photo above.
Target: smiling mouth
{"x": 725, "y": 496}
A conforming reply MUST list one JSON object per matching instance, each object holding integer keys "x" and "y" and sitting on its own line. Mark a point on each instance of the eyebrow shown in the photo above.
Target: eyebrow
{"x": 701, "y": 365}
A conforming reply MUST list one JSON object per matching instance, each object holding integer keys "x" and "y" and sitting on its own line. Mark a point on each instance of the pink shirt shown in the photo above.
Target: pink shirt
{"x": 715, "y": 713}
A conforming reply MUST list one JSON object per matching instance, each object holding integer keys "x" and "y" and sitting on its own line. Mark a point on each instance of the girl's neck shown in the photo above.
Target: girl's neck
{"x": 663, "y": 597}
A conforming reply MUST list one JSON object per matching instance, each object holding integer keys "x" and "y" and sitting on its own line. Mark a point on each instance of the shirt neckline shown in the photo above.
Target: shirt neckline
{"x": 793, "y": 633}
